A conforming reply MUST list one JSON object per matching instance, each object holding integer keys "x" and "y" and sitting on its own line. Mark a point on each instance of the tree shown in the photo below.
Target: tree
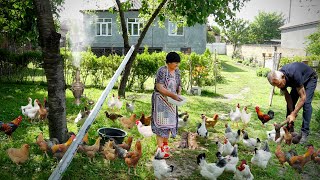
{"x": 53, "y": 65}
{"x": 192, "y": 11}
{"x": 314, "y": 43}
{"x": 266, "y": 27}
{"x": 236, "y": 33}
{"x": 212, "y": 32}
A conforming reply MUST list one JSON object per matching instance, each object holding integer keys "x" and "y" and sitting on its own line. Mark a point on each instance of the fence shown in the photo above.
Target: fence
{"x": 221, "y": 48}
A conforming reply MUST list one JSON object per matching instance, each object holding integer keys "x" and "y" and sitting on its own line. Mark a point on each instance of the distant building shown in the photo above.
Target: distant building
{"x": 304, "y": 18}
{"x": 103, "y": 27}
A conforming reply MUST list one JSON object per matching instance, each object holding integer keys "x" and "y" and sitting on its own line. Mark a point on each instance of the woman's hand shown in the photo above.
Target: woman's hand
{"x": 176, "y": 97}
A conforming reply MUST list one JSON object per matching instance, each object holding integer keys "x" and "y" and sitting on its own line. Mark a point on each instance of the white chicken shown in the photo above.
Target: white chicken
{"x": 245, "y": 117}
{"x": 232, "y": 160}
{"x": 112, "y": 102}
{"x": 82, "y": 116}
{"x": 235, "y": 116}
{"x": 182, "y": 122}
{"x": 227, "y": 148}
{"x": 243, "y": 172}
{"x": 220, "y": 146}
{"x": 32, "y": 113}
{"x": 28, "y": 106}
{"x": 272, "y": 135}
{"x": 211, "y": 170}
{"x": 233, "y": 137}
{"x": 202, "y": 130}
{"x": 251, "y": 143}
{"x": 161, "y": 169}
{"x": 261, "y": 157}
{"x": 146, "y": 131}
{"x": 118, "y": 103}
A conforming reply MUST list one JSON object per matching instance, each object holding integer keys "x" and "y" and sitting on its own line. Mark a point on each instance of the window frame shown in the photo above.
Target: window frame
{"x": 101, "y": 24}
{"x": 175, "y": 26}
{"x": 131, "y": 25}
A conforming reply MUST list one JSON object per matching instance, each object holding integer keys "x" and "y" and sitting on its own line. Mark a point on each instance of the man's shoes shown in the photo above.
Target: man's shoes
{"x": 304, "y": 138}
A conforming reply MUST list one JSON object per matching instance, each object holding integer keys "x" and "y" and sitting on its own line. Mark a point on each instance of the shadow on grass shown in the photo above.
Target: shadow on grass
{"x": 207, "y": 93}
{"x": 230, "y": 68}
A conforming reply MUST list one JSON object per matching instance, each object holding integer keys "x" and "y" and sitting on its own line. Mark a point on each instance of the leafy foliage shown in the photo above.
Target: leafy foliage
{"x": 314, "y": 43}
{"x": 265, "y": 27}
{"x": 263, "y": 72}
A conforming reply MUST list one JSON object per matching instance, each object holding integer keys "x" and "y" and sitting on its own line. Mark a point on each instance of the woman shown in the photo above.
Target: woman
{"x": 165, "y": 114}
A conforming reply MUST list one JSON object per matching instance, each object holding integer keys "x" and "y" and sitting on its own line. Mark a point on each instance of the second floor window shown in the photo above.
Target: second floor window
{"x": 174, "y": 29}
{"x": 134, "y": 26}
{"x": 103, "y": 27}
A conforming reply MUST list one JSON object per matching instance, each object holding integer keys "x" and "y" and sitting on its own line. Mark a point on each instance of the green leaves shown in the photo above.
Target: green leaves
{"x": 314, "y": 43}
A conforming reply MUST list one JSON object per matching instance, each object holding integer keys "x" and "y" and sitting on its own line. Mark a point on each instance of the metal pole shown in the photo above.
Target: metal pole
{"x": 215, "y": 71}
{"x": 67, "y": 158}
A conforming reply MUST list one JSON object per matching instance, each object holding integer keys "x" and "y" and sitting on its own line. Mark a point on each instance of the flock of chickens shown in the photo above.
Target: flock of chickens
{"x": 227, "y": 153}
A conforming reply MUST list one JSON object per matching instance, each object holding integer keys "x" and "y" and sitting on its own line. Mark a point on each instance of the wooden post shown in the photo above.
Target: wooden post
{"x": 276, "y": 61}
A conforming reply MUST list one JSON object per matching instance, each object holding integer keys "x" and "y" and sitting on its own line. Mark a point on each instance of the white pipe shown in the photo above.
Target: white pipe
{"x": 68, "y": 156}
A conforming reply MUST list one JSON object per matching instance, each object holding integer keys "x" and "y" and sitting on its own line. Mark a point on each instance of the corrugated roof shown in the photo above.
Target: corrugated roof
{"x": 294, "y": 25}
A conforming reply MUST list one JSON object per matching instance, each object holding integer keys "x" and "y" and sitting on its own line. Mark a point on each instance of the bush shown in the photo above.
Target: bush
{"x": 317, "y": 116}
{"x": 263, "y": 72}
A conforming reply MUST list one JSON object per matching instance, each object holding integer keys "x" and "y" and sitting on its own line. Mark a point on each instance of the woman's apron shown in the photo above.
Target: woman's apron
{"x": 166, "y": 113}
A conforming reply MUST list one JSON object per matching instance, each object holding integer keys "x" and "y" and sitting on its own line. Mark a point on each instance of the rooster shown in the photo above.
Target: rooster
{"x": 211, "y": 170}
{"x": 161, "y": 169}
{"x": 10, "y": 127}
{"x": 243, "y": 172}
{"x": 264, "y": 118}
{"x": 298, "y": 162}
{"x": 132, "y": 158}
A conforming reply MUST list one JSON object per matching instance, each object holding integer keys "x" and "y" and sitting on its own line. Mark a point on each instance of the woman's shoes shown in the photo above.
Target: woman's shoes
{"x": 162, "y": 154}
{"x": 166, "y": 147}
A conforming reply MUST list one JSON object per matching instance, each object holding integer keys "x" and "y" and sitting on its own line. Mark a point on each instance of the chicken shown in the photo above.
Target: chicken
{"x": 145, "y": 131}
{"x": 264, "y": 118}
{"x": 316, "y": 156}
{"x": 250, "y": 142}
{"x": 112, "y": 102}
{"x": 58, "y": 150}
{"x": 182, "y": 114}
{"x": 127, "y": 144}
{"x": 274, "y": 135}
{"x": 45, "y": 104}
{"x": 128, "y": 122}
{"x": 211, "y": 122}
{"x": 43, "y": 113}
{"x": 287, "y": 136}
{"x": 245, "y": 117}
{"x": 280, "y": 154}
{"x": 132, "y": 158}
{"x": 233, "y": 137}
{"x": 130, "y": 106}
{"x": 232, "y": 160}
{"x": 261, "y": 157}
{"x": 297, "y": 162}
{"x": 192, "y": 141}
{"x": 296, "y": 137}
{"x": 183, "y": 121}
{"x": 32, "y": 113}
{"x": 184, "y": 140}
{"x": 42, "y": 144}
{"x": 227, "y": 148}
{"x": 118, "y": 103}
{"x": 28, "y": 106}
{"x": 211, "y": 170}
{"x": 243, "y": 172}
{"x": 112, "y": 116}
{"x": 220, "y": 146}
{"x": 121, "y": 153}
{"x": 235, "y": 116}
{"x": 82, "y": 116}
{"x": 145, "y": 120}
{"x": 90, "y": 151}
{"x": 161, "y": 169}
{"x": 10, "y": 127}
{"x": 202, "y": 130}
{"x": 19, "y": 155}
{"x": 109, "y": 152}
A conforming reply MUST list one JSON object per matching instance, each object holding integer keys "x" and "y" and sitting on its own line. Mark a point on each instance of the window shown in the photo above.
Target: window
{"x": 134, "y": 26}
{"x": 174, "y": 29}
{"x": 104, "y": 27}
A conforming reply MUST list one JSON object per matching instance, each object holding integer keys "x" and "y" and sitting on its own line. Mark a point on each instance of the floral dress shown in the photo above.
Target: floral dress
{"x": 165, "y": 114}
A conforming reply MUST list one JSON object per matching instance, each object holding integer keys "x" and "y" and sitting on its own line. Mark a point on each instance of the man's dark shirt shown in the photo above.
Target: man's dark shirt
{"x": 296, "y": 74}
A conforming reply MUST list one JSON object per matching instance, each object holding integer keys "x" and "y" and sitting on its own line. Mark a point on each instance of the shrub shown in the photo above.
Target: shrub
{"x": 262, "y": 72}
{"x": 317, "y": 116}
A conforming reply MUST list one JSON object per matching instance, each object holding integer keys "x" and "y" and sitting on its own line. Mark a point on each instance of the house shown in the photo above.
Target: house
{"x": 303, "y": 20}
{"x": 102, "y": 26}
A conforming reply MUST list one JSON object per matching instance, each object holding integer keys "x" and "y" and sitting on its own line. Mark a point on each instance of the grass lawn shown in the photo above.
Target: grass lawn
{"x": 241, "y": 85}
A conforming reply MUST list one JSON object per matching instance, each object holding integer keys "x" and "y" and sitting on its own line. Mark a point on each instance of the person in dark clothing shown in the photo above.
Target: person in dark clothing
{"x": 303, "y": 81}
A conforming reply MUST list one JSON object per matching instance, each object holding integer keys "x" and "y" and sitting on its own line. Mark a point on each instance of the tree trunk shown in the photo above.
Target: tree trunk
{"x": 124, "y": 78}
{"x": 123, "y": 27}
{"x": 53, "y": 66}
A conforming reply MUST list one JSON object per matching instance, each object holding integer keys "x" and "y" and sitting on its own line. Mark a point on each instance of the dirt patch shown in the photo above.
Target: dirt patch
{"x": 239, "y": 95}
